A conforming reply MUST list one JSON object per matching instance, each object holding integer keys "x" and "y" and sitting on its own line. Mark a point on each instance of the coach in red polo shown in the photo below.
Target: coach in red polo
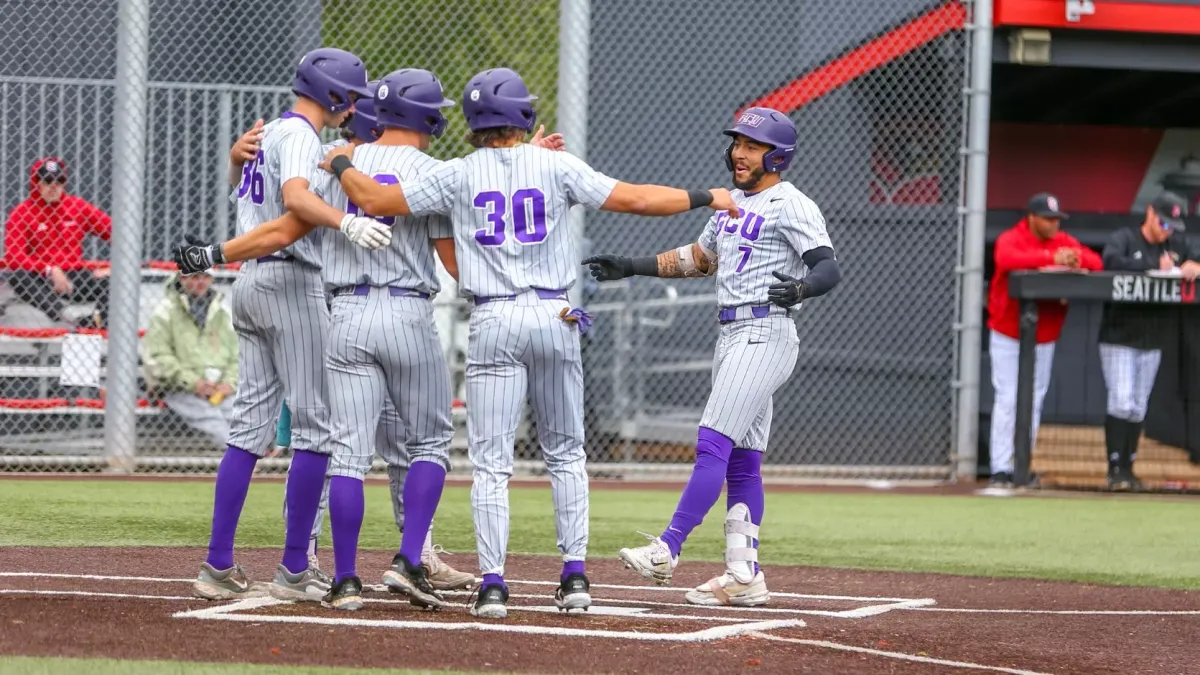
{"x": 1035, "y": 242}
{"x": 43, "y": 245}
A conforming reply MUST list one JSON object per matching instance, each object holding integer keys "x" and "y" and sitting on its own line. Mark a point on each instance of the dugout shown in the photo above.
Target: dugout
{"x": 1100, "y": 111}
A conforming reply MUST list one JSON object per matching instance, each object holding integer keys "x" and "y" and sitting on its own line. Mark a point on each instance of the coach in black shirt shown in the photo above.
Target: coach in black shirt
{"x": 1131, "y": 335}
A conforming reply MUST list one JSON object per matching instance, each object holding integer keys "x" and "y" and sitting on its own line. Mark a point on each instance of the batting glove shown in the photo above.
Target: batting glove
{"x": 366, "y": 232}
{"x": 609, "y": 267}
{"x": 787, "y": 292}
{"x": 581, "y": 319}
{"x": 194, "y": 256}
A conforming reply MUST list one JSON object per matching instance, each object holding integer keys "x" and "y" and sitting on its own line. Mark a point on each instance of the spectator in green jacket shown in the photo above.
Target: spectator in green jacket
{"x": 191, "y": 355}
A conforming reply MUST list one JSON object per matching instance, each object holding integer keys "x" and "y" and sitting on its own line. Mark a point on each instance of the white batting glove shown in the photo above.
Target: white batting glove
{"x": 366, "y": 232}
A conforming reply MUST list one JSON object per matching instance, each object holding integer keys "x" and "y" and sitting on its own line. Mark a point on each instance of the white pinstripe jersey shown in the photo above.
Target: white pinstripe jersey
{"x": 290, "y": 149}
{"x": 776, "y": 227}
{"x": 408, "y": 261}
{"x": 509, "y": 210}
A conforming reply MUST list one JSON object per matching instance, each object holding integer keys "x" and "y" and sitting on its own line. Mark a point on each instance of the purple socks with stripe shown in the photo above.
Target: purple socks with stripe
{"x": 346, "y": 507}
{"x": 305, "y": 481}
{"x": 233, "y": 481}
{"x": 422, "y": 492}
{"x": 745, "y": 485}
{"x": 703, "y": 488}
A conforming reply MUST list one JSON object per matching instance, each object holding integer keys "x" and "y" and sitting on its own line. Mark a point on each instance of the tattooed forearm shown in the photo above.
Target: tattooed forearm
{"x": 668, "y": 265}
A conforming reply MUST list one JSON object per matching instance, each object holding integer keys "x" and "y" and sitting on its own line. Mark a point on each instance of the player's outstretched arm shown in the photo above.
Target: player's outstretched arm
{"x": 657, "y": 200}
{"x": 196, "y": 256}
{"x": 298, "y": 199}
{"x": 691, "y": 260}
{"x": 370, "y": 196}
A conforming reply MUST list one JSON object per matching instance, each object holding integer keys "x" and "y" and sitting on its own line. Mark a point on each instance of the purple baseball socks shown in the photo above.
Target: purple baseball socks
{"x": 422, "y": 492}
{"x": 306, "y": 480}
{"x": 703, "y": 488}
{"x": 346, "y": 507}
{"x": 744, "y": 480}
{"x": 571, "y": 567}
{"x": 233, "y": 481}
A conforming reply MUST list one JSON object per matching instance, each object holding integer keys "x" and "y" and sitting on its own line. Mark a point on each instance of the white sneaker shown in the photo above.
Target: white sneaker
{"x": 653, "y": 561}
{"x": 727, "y": 590}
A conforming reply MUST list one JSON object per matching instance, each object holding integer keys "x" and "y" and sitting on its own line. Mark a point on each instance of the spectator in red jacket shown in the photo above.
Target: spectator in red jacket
{"x": 1033, "y": 243}
{"x": 43, "y": 245}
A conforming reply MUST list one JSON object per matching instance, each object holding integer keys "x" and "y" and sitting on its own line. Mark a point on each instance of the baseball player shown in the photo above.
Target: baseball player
{"x": 759, "y": 258}
{"x": 281, "y": 318}
{"x": 508, "y": 203}
{"x": 1035, "y": 242}
{"x": 1131, "y": 335}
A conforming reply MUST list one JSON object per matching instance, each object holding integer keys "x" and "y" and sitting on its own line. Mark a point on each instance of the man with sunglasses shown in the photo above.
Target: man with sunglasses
{"x": 43, "y": 246}
{"x": 1131, "y": 335}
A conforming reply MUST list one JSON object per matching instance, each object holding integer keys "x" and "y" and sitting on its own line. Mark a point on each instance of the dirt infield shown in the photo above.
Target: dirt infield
{"x": 134, "y": 603}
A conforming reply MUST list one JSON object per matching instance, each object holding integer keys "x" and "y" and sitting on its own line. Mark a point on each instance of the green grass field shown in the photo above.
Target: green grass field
{"x": 1142, "y": 542}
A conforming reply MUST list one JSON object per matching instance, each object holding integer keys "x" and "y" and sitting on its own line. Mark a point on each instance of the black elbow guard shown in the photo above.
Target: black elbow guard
{"x": 823, "y": 271}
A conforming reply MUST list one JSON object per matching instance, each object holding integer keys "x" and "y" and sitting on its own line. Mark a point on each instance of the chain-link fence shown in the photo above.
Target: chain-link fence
{"x": 140, "y": 100}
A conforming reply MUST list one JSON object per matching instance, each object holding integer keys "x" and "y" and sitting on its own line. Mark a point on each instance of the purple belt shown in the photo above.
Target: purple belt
{"x": 728, "y": 314}
{"x": 394, "y": 291}
{"x": 543, "y": 293}
{"x": 272, "y": 258}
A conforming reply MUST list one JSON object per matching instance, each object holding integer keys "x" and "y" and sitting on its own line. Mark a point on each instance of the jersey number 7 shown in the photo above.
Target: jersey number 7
{"x": 382, "y": 179}
{"x": 528, "y": 209}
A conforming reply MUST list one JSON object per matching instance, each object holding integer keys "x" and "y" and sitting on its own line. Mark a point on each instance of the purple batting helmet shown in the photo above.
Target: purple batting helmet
{"x": 330, "y": 77}
{"x": 364, "y": 123}
{"x": 498, "y": 98}
{"x": 769, "y": 127}
{"x": 412, "y": 98}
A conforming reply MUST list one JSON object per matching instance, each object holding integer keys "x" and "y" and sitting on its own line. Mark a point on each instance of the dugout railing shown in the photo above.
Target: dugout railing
{"x": 1069, "y": 450}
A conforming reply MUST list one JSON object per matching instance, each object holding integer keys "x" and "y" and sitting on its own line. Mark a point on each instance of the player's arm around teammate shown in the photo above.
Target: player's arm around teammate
{"x": 778, "y": 232}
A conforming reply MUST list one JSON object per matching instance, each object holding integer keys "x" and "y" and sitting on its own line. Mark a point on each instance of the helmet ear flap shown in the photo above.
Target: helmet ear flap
{"x": 729, "y": 157}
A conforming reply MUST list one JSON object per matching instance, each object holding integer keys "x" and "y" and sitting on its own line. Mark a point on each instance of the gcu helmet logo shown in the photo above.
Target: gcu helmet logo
{"x": 750, "y": 119}
{"x": 1052, "y": 202}
{"x": 382, "y": 92}
{"x": 474, "y": 94}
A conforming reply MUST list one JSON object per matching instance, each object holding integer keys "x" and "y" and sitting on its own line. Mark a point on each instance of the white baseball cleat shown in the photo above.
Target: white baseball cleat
{"x": 653, "y": 561}
{"x": 727, "y": 590}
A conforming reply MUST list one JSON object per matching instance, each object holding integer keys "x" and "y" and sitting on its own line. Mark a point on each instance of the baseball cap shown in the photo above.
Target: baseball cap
{"x": 1170, "y": 209}
{"x": 1045, "y": 205}
{"x": 52, "y": 170}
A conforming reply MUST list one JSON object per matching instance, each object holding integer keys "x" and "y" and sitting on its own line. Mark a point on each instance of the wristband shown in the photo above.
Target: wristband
{"x": 218, "y": 254}
{"x": 340, "y": 164}
{"x": 698, "y": 198}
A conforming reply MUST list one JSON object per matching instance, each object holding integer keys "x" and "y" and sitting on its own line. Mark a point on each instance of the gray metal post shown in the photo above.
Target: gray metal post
{"x": 979, "y": 101}
{"x": 128, "y": 179}
{"x": 225, "y": 134}
{"x": 574, "y": 35}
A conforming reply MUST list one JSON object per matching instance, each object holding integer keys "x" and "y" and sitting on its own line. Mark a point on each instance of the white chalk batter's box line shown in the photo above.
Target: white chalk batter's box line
{"x": 607, "y": 606}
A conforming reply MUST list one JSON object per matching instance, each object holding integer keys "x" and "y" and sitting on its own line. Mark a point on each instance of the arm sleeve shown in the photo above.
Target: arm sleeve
{"x": 299, "y": 155}
{"x": 433, "y": 192}
{"x": 99, "y": 223}
{"x": 803, "y": 226}
{"x": 583, "y": 184}
{"x": 1010, "y": 256}
{"x": 16, "y": 240}
{"x": 823, "y": 271}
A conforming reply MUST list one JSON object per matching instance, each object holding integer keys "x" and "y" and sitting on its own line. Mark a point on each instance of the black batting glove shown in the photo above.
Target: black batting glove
{"x": 609, "y": 267}
{"x": 788, "y": 291}
{"x": 195, "y": 256}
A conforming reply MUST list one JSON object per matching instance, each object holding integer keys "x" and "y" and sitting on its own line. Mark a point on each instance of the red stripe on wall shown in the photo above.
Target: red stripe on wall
{"x": 1137, "y": 17}
{"x": 887, "y": 47}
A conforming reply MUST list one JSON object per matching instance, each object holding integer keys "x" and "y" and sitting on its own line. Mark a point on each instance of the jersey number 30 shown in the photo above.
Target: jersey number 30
{"x": 528, "y": 209}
